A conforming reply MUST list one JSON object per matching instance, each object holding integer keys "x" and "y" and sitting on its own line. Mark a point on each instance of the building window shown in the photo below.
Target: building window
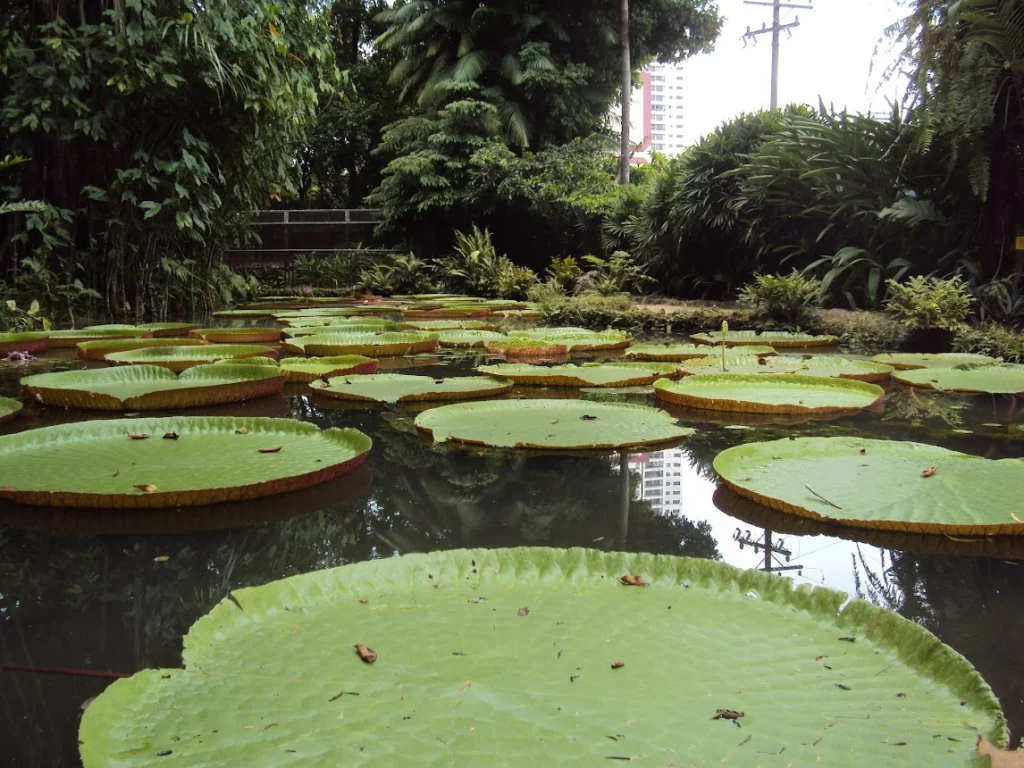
{"x": 657, "y": 78}
{"x": 658, "y": 147}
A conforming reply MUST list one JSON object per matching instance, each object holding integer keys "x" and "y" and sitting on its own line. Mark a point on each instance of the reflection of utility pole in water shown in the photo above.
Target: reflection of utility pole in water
{"x": 626, "y": 497}
{"x": 772, "y": 563}
{"x": 775, "y": 28}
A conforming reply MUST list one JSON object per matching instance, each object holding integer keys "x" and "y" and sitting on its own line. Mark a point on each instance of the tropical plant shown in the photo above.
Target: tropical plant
{"x": 476, "y": 268}
{"x": 619, "y": 273}
{"x": 564, "y": 270}
{"x": 786, "y": 299}
{"x": 1002, "y": 300}
{"x": 930, "y": 302}
{"x": 547, "y": 295}
{"x": 404, "y": 273}
{"x": 14, "y": 318}
{"x": 341, "y": 269}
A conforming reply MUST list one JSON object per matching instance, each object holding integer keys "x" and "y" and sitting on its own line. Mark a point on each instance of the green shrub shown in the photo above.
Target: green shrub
{"x": 619, "y": 273}
{"x": 514, "y": 282}
{"x": 547, "y": 295}
{"x": 930, "y": 302}
{"x": 405, "y": 273}
{"x": 565, "y": 271}
{"x": 991, "y": 339}
{"x": 339, "y": 270}
{"x": 784, "y": 299}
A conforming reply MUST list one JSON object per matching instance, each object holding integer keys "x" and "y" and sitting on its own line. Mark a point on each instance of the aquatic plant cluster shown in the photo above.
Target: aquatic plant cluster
{"x": 547, "y": 614}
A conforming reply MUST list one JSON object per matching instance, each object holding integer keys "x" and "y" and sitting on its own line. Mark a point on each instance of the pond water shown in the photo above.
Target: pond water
{"x": 115, "y": 592}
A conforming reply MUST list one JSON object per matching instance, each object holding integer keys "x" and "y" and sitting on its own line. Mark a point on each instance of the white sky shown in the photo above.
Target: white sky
{"x": 829, "y": 54}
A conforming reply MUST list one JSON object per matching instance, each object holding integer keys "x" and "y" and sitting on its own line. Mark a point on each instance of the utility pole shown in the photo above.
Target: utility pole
{"x": 627, "y": 91}
{"x": 772, "y": 564}
{"x": 775, "y": 28}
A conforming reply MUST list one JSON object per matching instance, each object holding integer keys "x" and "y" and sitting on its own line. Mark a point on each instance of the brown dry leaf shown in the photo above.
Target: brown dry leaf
{"x": 586, "y": 417}
{"x": 524, "y": 611}
{"x": 618, "y": 664}
{"x": 275, "y": 449}
{"x": 727, "y": 714}
{"x": 145, "y": 488}
{"x": 161, "y": 559}
{"x": 633, "y": 581}
{"x": 241, "y": 431}
{"x": 365, "y": 653}
{"x": 138, "y": 436}
{"x": 170, "y": 436}
{"x": 863, "y": 451}
{"x": 1000, "y": 758}
{"x": 555, "y": 421}
{"x": 929, "y": 472}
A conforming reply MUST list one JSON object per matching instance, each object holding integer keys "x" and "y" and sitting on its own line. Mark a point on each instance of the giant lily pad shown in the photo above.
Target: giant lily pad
{"x": 775, "y": 339}
{"x": 309, "y": 369}
{"x": 179, "y": 358}
{"x": 400, "y": 388}
{"x": 73, "y": 337}
{"x": 911, "y": 361}
{"x": 147, "y": 387}
{"x": 879, "y": 484}
{"x": 453, "y": 325}
{"x": 369, "y": 344}
{"x": 161, "y": 330}
{"x": 212, "y": 459}
{"x": 821, "y": 365}
{"x": 242, "y": 314}
{"x": 1003, "y": 379}
{"x": 527, "y": 349}
{"x": 783, "y": 393}
{"x": 251, "y": 335}
{"x": 672, "y": 352}
{"x": 551, "y": 425}
{"x": 577, "y": 339}
{"x": 588, "y": 375}
{"x": 9, "y": 408}
{"x": 320, "y": 330}
{"x": 525, "y": 657}
{"x": 100, "y": 348}
{"x": 468, "y": 338}
{"x": 24, "y": 341}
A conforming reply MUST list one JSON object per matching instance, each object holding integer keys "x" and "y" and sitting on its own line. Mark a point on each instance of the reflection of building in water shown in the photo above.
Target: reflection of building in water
{"x": 661, "y": 479}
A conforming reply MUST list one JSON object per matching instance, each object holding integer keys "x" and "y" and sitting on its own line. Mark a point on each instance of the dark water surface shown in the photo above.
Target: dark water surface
{"x": 92, "y": 591}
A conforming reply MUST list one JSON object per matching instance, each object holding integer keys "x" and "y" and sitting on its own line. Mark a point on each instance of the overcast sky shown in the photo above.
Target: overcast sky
{"x": 829, "y": 54}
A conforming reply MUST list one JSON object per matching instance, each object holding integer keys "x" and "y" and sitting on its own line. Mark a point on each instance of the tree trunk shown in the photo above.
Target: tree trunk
{"x": 627, "y": 92}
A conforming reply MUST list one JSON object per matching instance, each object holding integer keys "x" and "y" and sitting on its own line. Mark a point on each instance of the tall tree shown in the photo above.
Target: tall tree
{"x": 627, "y": 93}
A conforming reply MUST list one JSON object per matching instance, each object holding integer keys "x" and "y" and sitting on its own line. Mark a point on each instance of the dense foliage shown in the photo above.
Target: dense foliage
{"x": 151, "y": 130}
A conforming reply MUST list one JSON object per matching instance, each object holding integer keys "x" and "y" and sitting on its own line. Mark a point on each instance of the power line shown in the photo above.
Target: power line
{"x": 775, "y": 29}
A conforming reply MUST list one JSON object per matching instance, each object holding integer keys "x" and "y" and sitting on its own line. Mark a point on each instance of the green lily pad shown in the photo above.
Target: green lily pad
{"x": 774, "y": 339}
{"x": 468, "y": 338}
{"x": 73, "y": 337}
{"x": 452, "y": 325}
{"x": 359, "y": 327}
{"x": 672, "y": 352}
{"x": 369, "y": 344}
{"x": 24, "y": 341}
{"x": 212, "y": 460}
{"x": 467, "y": 312}
{"x": 178, "y": 358}
{"x": 148, "y": 387}
{"x": 112, "y": 327}
{"x": 250, "y": 335}
{"x": 820, "y": 365}
{"x": 551, "y": 425}
{"x": 161, "y": 330}
{"x": 475, "y": 650}
{"x": 269, "y": 362}
{"x": 782, "y": 393}
{"x": 309, "y": 369}
{"x": 878, "y": 484}
{"x": 401, "y": 388}
{"x": 576, "y": 339}
{"x": 1006, "y": 379}
{"x": 911, "y": 361}
{"x": 242, "y": 314}
{"x": 527, "y": 349}
{"x": 588, "y": 375}
{"x": 100, "y": 348}
{"x": 9, "y": 408}
{"x": 344, "y": 324}
{"x": 518, "y": 313}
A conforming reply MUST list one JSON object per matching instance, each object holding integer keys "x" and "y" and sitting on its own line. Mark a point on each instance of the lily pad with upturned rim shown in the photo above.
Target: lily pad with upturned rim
{"x": 242, "y": 314}
{"x": 1005, "y": 379}
{"x": 879, "y": 484}
{"x": 170, "y": 330}
{"x": 587, "y": 375}
{"x": 551, "y": 425}
{"x": 213, "y": 459}
{"x": 368, "y": 344}
{"x": 774, "y": 339}
{"x": 100, "y": 348}
{"x": 576, "y": 340}
{"x": 9, "y": 408}
{"x": 828, "y": 366}
{"x": 148, "y": 387}
{"x": 672, "y": 353}
{"x": 401, "y": 388}
{"x": 179, "y": 358}
{"x": 782, "y": 393}
{"x": 249, "y": 335}
{"x": 72, "y": 338}
{"x": 487, "y": 644}
{"x": 24, "y": 341}
{"x": 309, "y": 369}
{"x": 463, "y": 339}
{"x": 527, "y": 349}
{"x": 435, "y": 326}
{"x": 912, "y": 361}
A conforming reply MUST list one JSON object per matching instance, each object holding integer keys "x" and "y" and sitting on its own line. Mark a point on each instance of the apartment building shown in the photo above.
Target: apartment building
{"x": 655, "y": 113}
{"x": 661, "y": 479}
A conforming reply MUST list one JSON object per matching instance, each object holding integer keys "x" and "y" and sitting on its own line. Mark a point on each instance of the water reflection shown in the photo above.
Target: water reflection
{"x": 97, "y": 592}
